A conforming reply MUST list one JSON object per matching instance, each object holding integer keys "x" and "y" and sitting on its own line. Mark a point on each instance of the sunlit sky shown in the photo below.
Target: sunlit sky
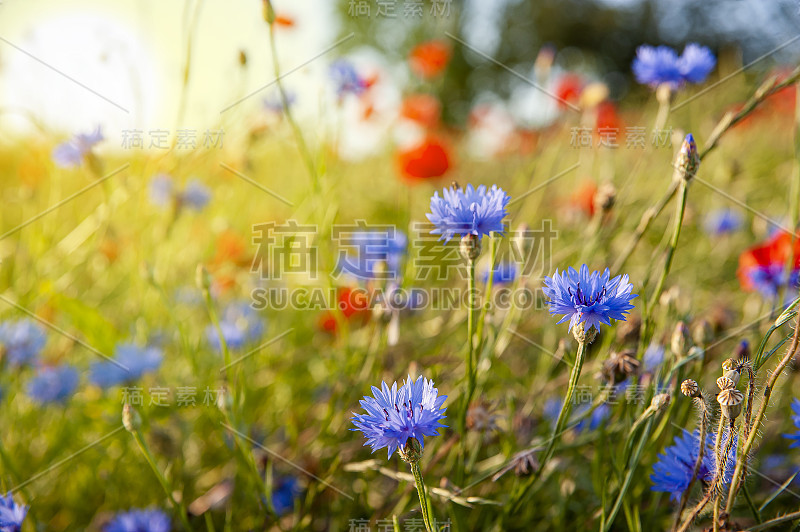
{"x": 129, "y": 56}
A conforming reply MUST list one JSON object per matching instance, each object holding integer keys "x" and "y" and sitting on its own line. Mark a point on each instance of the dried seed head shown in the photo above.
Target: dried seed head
{"x": 725, "y": 383}
{"x": 689, "y": 388}
{"x": 620, "y": 365}
{"x": 660, "y": 401}
{"x": 481, "y": 418}
{"x": 681, "y": 342}
{"x": 730, "y": 403}
{"x": 525, "y": 463}
{"x": 733, "y": 375}
{"x": 470, "y": 247}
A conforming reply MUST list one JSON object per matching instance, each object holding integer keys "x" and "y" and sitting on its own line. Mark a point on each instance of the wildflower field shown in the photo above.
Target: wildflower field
{"x": 352, "y": 302}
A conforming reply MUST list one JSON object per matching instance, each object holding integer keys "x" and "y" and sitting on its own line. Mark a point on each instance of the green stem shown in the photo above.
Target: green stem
{"x": 700, "y": 455}
{"x": 179, "y": 507}
{"x": 470, "y": 355}
{"x": 423, "y": 498}
{"x": 488, "y": 293}
{"x": 777, "y": 521}
{"x": 720, "y": 472}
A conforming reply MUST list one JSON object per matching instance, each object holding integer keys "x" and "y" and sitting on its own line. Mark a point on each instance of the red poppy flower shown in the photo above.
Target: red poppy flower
{"x": 762, "y": 267}
{"x": 583, "y": 197}
{"x": 354, "y": 305}
{"x": 430, "y": 158}
{"x": 429, "y": 59}
{"x": 423, "y": 109}
{"x": 607, "y": 117}
{"x": 568, "y": 89}
{"x": 284, "y": 21}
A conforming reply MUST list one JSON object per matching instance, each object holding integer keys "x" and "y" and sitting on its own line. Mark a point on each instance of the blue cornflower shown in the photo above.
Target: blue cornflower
{"x": 138, "y": 360}
{"x": 11, "y": 514}
{"x": 598, "y": 416}
{"x": 796, "y": 422}
{"x": 652, "y": 358}
{"x": 657, "y": 65}
{"x": 240, "y": 324}
{"x": 72, "y": 152}
{"x": 196, "y": 195}
{"x": 673, "y": 471}
{"x": 346, "y": 78}
{"x": 696, "y": 63}
{"x": 274, "y": 103}
{"x": 469, "y": 211}
{"x": 385, "y": 247}
{"x": 393, "y": 416}
{"x": 54, "y": 384}
{"x": 591, "y": 299}
{"x": 722, "y": 221}
{"x": 23, "y": 340}
{"x": 504, "y": 273}
{"x": 148, "y": 520}
{"x": 161, "y": 190}
{"x": 284, "y": 492}
{"x": 661, "y": 65}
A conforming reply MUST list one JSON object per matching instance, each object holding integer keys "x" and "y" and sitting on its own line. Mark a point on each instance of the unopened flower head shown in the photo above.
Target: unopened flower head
{"x": 468, "y": 211}
{"x": 688, "y": 160}
{"x": 587, "y": 298}
{"x": 395, "y": 415}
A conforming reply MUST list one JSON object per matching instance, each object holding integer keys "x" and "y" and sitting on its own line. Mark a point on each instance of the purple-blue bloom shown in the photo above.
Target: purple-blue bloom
{"x": 53, "y": 384}
{"x": 661, "y": 65}
{"x": 240, "y": 324}
{"x": 11, "y": 514}
{"x": 346, "y": 79}
{"x": 148, "y": 520}
{"x": 137, "y": 360}
{"x": 161, "y": 190}
{"x": 195, "y": 195}
{"x": 274, "y": 103}
{"x": 696, "y": 63}
{"x": 592, "y": 299}
{"x": 22, "y": 340}
{"x": 504, "y": 273}
{"x": 72, "y": 152}
{"x": 284, "y": 492}
{"x": 722, "y": 221}
{"x": 395, "y": 415}
{"x": 598, "y": 416}
{"x": 652, "y": 358}
{"x": 796, "y": 421}
{"x": 673, "y": 471}
{"x": 374, "y": 247}
{"x": 468, "y": 211}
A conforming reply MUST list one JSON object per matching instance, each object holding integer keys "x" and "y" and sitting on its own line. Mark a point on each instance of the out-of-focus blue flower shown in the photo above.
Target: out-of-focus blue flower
{"x": 673, "y": 471}
{"x": 11, "y": 514}
{"x": 53, "y": 384}
{"x": 592, "y": 299}
{"x": 161, "y": 190}
{"x": 696, "y": 63}
{"x": 652, "y": 358}
{"x": 72, "y": 152}
{"x": 657, "y": 65}
{"x": 468, "y": 211}
{"x": 23, "y": 340}
{"x": 240, "y": 324}
{"x": 661, "y": 65}
{"x": 393, "y": 416}
{"x": 598, "y": 416}
{"x": 274, "y": 103}
{"x": 148, "y": 520}
{"x": 769, "y": 279}
{"x": 137, "y": 360}
{"x": 504, "y": 273}
{"x": 196, "y": 195}
{"x": 346, "y": 79}
{"x": 284, "y": 492}
{"x": 386, "y": 247}
{"x": 796, "y": 421}
{"x": 722, "y": 221}
{"x": 551, "y": 409}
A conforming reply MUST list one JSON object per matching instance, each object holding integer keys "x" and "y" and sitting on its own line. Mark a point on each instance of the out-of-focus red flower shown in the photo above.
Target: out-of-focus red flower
{"x": 568, "y": 89}
{"x": 231, "y": 248}
{"x": 583, "y": 198}
{"x": 354, "y": 305}
{"x": 430, "y": 158}
{"x": 608, "y": 118}
{"x": 284, "y": 21}
{"x": 766, "y": 259}
{"x": 429, "y": 59}
{"x": 423, "y": 109}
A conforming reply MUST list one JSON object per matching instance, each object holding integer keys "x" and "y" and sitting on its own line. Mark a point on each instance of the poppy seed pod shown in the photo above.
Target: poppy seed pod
{"x": 733, "y": 375}
{"x": 725, "y": 383}
{"x": 730, "y": 403}
{"x": 728, "y": 364}
{"x": 689, "y": 388}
